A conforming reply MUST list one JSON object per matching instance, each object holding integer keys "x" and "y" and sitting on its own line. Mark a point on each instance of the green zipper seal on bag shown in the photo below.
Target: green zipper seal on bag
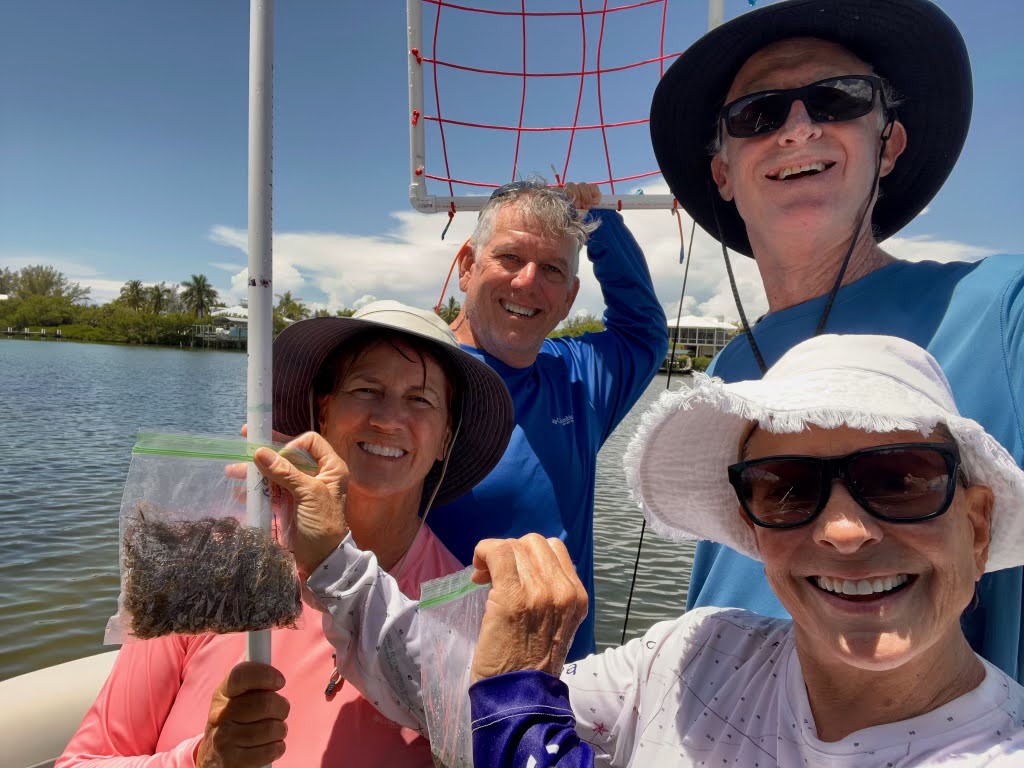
{"x": 218, "y": 448}
{"x": 454, "y": 579}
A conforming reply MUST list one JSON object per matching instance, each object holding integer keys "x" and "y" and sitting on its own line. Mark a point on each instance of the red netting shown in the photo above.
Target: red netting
{"x": 502, "y": 98}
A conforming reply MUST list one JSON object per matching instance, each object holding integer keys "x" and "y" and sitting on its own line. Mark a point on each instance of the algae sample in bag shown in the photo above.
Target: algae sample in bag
{"x": 189, "y": 562}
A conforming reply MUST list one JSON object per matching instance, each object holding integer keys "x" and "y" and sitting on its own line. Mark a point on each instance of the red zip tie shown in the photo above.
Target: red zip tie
{"x": 419, "y": 170}
{"x": 415, "y": 116}
{"x": 416, "y": 52}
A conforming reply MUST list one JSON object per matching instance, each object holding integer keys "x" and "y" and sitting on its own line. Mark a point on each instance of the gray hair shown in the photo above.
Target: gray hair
{"x": 890, "y": 100}
{"x": 548, "y": 207}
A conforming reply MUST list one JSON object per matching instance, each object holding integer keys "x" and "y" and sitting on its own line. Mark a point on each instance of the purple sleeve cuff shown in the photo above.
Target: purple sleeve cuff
{"x": 523, "y": 715}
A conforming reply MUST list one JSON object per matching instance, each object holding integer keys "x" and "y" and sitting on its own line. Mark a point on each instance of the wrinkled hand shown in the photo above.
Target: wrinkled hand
{"x": 279, "y": 502}
{"x": 584, "y": 196}
{"x": 535, "y": 606}
{"x": 246, "y": 726}
{"x": 314, "y": 524}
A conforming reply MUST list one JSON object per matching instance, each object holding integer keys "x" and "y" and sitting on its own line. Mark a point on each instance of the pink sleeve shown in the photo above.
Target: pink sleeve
{"x": 122, "y": 727}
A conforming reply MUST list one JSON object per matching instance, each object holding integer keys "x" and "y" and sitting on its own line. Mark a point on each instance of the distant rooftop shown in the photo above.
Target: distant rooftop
{"x": 692, "y": 321}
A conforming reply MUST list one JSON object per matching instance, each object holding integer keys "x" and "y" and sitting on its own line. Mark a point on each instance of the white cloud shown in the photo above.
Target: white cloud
{"x": 925, "y": 248}
{"x": 409, "y": 262}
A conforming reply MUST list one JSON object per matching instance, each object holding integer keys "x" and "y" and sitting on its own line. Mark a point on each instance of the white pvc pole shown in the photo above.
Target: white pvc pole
{"x": 417, "y": 133}
{"x": 716, "y": 13}
{"x": 261, "y": 324}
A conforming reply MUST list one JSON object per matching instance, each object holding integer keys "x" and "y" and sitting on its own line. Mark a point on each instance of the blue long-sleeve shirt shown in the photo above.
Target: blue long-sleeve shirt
{"x": 970, "y": 316}
{"x": 566, "y": 405}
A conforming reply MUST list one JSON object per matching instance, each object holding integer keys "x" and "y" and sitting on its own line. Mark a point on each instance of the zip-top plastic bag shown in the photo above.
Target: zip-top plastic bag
{"x": 451, "y": 612}
{"x": 190, "y": 563}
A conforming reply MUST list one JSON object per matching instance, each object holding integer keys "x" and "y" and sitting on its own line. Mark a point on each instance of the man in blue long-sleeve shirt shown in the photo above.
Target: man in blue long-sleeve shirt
{"x": 519, "y": 274}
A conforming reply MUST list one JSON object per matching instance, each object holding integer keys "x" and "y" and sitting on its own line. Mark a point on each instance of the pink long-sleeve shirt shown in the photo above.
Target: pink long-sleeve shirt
{"x": 152, "y": 710}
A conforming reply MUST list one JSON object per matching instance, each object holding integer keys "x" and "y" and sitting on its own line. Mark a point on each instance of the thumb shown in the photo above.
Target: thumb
{"x": 280, "y": 471}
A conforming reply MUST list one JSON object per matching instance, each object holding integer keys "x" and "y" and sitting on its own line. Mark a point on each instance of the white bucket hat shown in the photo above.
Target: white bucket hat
{"x": 676, "y": 462}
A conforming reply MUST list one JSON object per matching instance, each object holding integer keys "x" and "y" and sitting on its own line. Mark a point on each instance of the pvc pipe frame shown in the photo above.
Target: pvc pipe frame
{"x": 426, "y": 203}
{"x": 261, "y": 327}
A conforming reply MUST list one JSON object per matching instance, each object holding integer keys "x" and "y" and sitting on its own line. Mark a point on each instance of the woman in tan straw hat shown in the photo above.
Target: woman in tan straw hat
{"x": 875, "y": 508}
{"x": 415, "y": 421}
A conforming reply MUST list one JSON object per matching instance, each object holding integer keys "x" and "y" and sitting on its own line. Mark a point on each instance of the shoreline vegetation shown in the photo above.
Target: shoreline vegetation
{"x": 40, "y": 302}
{"x": 41, "y": 298}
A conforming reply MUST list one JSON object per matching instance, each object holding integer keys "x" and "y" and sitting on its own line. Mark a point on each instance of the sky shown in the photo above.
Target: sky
{"x": 123, "y": 141}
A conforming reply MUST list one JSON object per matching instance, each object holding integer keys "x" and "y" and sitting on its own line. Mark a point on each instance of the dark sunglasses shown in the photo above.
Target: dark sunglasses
{"x": 899, "y": 483}
{"x": 833, "y": 100}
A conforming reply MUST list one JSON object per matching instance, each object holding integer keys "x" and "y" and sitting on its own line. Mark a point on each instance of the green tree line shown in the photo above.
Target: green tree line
{"x": 41, "y": 296}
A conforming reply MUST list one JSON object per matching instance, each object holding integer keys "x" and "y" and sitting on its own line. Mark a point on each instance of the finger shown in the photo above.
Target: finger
{"x": 277, "y": 437}
{"x": 236, "y": 471}
{"x": 501, "y": 563}
{"x": 259, "y": 733}
{"x": 282, "y": 472}
{"x": 535, "y": 560}
{"x": 316, "y": 446}
{"x": 250, "y": 757}
{"x": 557, "y": 547}
{"x": 251, "y": 676}
{"x": 481, "y": 553}
{"x": 255, "y": 707}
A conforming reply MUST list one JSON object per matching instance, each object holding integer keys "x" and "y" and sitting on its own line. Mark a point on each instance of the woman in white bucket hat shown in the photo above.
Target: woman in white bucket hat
{"x": 875, "y": 508}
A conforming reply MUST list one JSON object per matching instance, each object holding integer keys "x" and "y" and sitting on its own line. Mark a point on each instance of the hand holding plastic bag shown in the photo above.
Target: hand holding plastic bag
{"x": 534, "y": 608}
{"x": 314, "y": 524}
{"x": 525, "y": 619}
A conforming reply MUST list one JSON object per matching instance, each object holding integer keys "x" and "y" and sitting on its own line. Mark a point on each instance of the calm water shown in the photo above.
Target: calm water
{"x": 69, "y": 414}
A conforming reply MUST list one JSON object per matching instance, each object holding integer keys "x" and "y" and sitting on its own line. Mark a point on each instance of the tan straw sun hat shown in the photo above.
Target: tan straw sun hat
{"x": 483, "y": 427}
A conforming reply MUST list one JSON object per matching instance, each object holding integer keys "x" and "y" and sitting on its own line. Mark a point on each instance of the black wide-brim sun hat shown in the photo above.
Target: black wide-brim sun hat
{"x": 487, "y": 415}
{"x": 911, "y": 43}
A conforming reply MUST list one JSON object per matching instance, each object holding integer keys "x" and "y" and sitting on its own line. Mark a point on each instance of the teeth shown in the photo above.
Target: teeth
{"x": 524, "y": 311}
{"x": 861, "y": 587}
{"x": 787, "y": 172}
{"x": 382, "y": 450}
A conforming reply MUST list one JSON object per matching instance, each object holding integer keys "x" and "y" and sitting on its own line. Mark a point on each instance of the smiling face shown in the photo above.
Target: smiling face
{"x": 518, "y": 288}
{"x": 388, "y": 419}
{"x": 807, "y": 178}
{"x": 913, "y": 580}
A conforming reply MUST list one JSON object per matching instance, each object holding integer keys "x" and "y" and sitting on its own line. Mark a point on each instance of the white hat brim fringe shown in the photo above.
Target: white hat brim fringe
{"x": 676, "y": 463}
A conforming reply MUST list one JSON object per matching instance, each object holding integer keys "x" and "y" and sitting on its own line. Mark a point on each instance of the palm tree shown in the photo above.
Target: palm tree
{"x": 198, "y": 295}
{"x": 133, "y": 295}
{"x": 451, "y": 311}
{"x": 159, "y": 296}
{"x": 291, "y": 308}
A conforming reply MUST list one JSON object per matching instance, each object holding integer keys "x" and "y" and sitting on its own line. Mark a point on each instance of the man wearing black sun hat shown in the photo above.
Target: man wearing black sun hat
{"x": 804, "y": 134}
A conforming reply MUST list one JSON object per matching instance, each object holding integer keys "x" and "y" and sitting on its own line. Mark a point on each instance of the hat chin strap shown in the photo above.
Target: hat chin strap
{"x": 886, "y": 133}
{"x": 433, "y": 494}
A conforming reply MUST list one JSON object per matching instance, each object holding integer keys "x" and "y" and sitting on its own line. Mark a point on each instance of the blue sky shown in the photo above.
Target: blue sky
{"x": 123, "y": 141}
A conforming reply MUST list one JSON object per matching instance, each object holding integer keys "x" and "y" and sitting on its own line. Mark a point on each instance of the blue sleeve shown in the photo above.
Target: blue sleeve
{"x": 618, "y": 363}
{"x": 1011, "y": 322}
{"x": 522, "y": 715}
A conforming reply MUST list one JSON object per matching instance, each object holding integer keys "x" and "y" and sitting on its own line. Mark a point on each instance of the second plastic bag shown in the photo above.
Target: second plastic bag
{"x": 190, "y": 563}
{"x": 451, "y": 612}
